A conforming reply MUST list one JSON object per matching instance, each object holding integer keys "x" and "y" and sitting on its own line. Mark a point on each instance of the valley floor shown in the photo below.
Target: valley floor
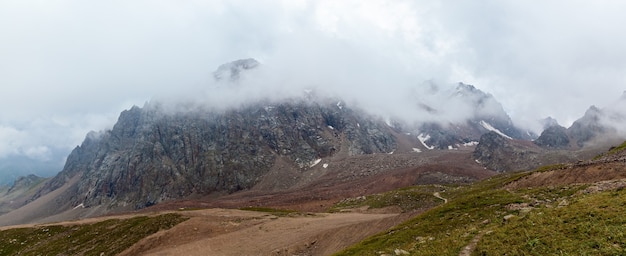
{"x": 235, "y": 232}
{"x": 241, "y": 232}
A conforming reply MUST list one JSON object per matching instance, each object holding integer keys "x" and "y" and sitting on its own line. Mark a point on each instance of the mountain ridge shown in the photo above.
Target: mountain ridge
{"x": 156, "y": 153}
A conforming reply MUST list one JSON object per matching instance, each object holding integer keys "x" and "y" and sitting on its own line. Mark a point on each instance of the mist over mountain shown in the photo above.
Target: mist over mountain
{"x": 247, "y": 129}
{"x": 598, "y": 123}
{"x": 595, "y": 131}
{"x": 229, "y": 141}
{"x": 245, "y": 81}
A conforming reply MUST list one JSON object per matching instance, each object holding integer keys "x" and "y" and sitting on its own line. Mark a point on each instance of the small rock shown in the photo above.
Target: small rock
{"x": 401, "y": 252}
{"x": 526, "y": 210}
{"x": 508, "y": 217}
{"x": 485, "y": 222}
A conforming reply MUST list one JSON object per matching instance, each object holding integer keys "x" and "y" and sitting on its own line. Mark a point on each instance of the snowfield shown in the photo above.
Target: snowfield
{"x": 423, "y": 138}
{"x": 491, "y": 128}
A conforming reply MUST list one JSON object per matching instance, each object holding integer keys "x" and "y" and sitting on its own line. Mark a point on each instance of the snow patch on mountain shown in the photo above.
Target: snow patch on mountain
{"x": 471, "y": 143}
{"x": 423, "y": 138}
{"x": 314, "y": 163}
{"x": 489, "y": 127}
{"x": 389, "y": 123}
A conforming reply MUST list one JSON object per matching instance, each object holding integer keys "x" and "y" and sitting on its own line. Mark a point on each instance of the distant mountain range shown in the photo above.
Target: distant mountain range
{"x": 154, "y": 155}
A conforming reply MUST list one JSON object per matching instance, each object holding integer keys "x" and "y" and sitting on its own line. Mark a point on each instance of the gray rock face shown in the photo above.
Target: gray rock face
{"x": 587, "y": 127}
{"x": 553, "y": 137}
{"x": 486, "y": 111}
{"x": 548, "y": 122}
{"x": 501, "y": 154}
{"x": 149, "y": 156}
{"x": 232, "y": 70}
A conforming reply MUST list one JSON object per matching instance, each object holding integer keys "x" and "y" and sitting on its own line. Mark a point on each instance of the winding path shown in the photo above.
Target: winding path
{"x": 437, "y": 195}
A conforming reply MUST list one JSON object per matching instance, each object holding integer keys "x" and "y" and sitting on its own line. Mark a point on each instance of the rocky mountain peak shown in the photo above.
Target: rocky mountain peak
{"x": 468, "y": 89}
{"x": 592, "y": 112}
{"x": 471, "y": 113}
{"x": 232, "y": 70}
{"x": 587, "y": 127}
{"x": 25, "y": 182}
{"x": 548, "y": 122}
{"x": 149, "y": 157}
{"x": 489, "y": 150}
{"x": 554, "y": 136}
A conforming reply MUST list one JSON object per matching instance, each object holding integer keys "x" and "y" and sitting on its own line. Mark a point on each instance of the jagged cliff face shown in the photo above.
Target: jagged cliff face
{"x": 481, "y": 113}
{"x": 598, "y": 125}
{"x": 587, "y": 127}
{"x": 159, "y": 152}
{"x": 149, "y": 156}
{"x": 502, "y": 154}
{"x": 553, "y": 137}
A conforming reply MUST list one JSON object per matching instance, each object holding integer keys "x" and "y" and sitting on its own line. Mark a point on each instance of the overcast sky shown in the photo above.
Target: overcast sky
{"x": 68, "y": 67}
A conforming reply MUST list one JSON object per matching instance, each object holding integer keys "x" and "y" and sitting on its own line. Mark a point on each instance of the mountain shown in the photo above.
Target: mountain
{"x": 162, "y": 153}
{"x": 150, "y": 157}
{"x": 588, "y": 126}
{"x": 600, "y": 125}
{"x": 501, "y": 154}
{"x": 548, "y": 122}
{"x": 555, "y": 208}
{"x": 19, "y": 193}
{"x": 479, "y": 113}
{"x": 231, "y": 71}
{"x": 591, "y": 134}
{"x": 536, "y": 212}
{"x": 554, "y": 136}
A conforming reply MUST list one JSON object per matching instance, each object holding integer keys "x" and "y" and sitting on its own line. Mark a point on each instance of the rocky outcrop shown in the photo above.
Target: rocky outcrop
{"x": 149, "y": 157}
{"x": 501, "y": 154}
{"x": 553, "y": 137}
{"x": 232, "y": 70}
{"x": 587, "y": 127}
{"x": 483, "y": 114}
{"x": 548, "y": 122}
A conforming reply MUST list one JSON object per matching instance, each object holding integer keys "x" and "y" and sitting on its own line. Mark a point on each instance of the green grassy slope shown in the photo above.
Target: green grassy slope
{"x": 103, "y": 238}
{"x": 538, "y": 221}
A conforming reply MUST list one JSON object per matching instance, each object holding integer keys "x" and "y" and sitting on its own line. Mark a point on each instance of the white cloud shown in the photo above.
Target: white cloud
{"x": 69, "y": 66}
{"x": 9, "y": 138}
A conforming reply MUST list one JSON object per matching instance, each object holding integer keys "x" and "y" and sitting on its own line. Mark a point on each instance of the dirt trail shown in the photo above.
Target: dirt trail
{"x": 437, "y": 195}
{"x": 468, "y": 249}
{"x": 235, "y": 232}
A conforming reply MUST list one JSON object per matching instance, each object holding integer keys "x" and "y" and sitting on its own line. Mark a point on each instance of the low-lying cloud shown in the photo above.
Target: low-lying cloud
{"x": 69, "y": 66}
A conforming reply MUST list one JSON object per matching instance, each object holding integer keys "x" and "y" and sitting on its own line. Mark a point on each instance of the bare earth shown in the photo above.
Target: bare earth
{"x": 236, "y": 232}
